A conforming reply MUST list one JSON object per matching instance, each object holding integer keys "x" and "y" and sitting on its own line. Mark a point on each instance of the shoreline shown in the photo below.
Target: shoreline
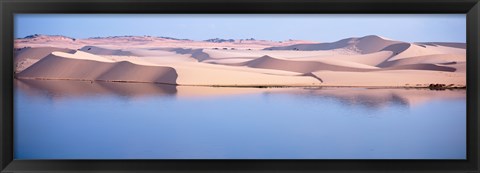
{"x": 416, "y": 86}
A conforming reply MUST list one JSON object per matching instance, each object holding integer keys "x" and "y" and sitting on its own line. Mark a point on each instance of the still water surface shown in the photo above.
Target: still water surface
{"x": 83, "y": 120}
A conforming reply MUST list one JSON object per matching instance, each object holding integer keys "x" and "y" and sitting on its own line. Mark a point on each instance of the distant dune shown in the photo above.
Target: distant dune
{"x": 364, "y": 45}
{"x": 296, "y": 66}
{"x": 357, "y": 61}
{"x": 447, "y": 44}
{"x": 197, "y": 54}
{"x": 126, "y": 42}
{"x": 105, "y": 51}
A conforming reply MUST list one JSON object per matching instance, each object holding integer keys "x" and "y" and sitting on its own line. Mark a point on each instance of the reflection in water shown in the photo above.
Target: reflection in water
{"x": 369, "y": 98}
{"x": 100, "y": 120}
{"x": 376, "y": 98}
{"x": 63, "y": 88}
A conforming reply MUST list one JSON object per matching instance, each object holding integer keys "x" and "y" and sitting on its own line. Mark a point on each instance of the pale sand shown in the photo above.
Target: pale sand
{"x": 26, "y": 57}
{"x": 372, "y": 59}
{"x": 364, "y": 61}
{"x": 393, "y": 78}
{"x": 59, "y": 65}
{"x": 364, "y": 45}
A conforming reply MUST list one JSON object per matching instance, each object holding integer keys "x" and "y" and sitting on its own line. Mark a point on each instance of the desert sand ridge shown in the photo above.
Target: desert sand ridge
{"x": 84, "y": 66}
{"x": 24, "y": 58}
{"x": 365, "y": 45}
{"x": 357, "y": 61}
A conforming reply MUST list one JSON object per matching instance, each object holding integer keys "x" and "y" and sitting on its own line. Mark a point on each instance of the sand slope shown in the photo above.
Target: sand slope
{"x": 365, "y": 45}
{"x": 296, "y": 66}
{"x": 446, "y": 44}
{"x": 62, "y": 66}
{"x": 105, "y": 51}
{"x": 26, "y": 57}
{"x": 426, "y": 59}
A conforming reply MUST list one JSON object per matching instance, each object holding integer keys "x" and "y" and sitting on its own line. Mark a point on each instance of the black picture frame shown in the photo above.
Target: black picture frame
{"x": 469, "y": 7}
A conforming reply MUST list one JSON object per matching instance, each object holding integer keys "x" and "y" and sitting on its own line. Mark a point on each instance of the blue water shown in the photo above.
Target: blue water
{"x": 51, "y": 123}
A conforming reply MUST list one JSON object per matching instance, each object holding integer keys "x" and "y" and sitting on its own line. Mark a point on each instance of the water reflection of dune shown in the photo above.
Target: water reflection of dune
{"x": 63, "y": 88}
{"x": 378, "y": 98}
{"x": 372, "y": 101}
{"x": 370, "y": 98}
{"x": 70, "y": 88}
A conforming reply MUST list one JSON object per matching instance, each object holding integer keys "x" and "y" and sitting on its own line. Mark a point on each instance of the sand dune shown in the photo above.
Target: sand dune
{"x": 267, "y": 62}
{"x": 402, "y": 51}
{"x": 359, "y": 61}
{"x": 425, "y": 67}
{"x": 297, "y": 66}
{"x": 365, "y": 45}
{"x": 430, "y": 59}
{"x": 26, "y": 57}
{"x": 371, "y": 59}
{"x": 128, "y": 42}
{"x": 397, "y": 48}
{"x": 252, "y": 54}
{"x": 460, "y": 67}
{"x": 198, "y": 54}
{"x": 375, "y": 50}
{"x": 195, "y": 73}
{"x": 81, "y": 66}
{"x": 406, "y": 50}
{"x": 105, "y": 51}
{"x": 128, "y": 72}
{"x": 446, "y": 44}
{"x": 37, "y": 53}
{"x": 228, "y": 61}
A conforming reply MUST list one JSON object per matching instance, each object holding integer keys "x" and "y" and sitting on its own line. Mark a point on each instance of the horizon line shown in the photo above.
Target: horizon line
{"x": 174, "y": 38}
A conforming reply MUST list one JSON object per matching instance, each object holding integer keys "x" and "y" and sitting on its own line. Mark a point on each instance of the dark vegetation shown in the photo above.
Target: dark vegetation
{"x": 444, "y": 87}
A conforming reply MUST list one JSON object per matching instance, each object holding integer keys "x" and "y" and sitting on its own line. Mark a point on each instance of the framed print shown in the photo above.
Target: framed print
{"x": 294, "y": 86}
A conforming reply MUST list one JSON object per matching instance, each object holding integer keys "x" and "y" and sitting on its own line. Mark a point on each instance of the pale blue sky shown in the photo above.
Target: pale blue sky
{"x": 315, "y": 27}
